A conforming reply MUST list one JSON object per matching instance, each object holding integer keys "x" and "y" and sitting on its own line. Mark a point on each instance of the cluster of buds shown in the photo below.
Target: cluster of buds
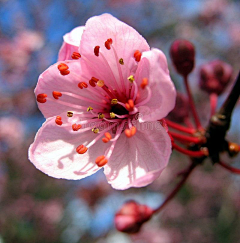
{"x": 131, "y": 216}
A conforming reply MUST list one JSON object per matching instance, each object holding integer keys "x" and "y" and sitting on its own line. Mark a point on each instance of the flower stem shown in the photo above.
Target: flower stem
{"x": 192, "y": 106}
{"x": 195, "y": 154}
{"x": 180, "y": 127}
{"x": 230, "y": 168}
{"x": 177, "y": 188}
{"x": 186, "y": 139}
{"x": 213, "y": 103}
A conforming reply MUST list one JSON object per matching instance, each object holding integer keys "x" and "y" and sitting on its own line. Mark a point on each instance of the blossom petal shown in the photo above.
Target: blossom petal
{"x": 54, "y": 151}
{"x": 51, "y": 80}
{"x": 125, "y": 39}
{"x": 139, "y": 160}
{"x": 71, "y": 42}
{"x": 163, "y": 94}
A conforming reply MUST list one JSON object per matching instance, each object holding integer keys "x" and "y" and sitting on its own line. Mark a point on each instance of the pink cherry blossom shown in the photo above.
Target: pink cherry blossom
{"x": 102, "y": 105}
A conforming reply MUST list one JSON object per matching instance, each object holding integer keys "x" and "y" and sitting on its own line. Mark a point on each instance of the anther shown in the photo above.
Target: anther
{"x": 96, "y": 50}
{"x": 89, "y": 109}
{"x": 76, "y": 127}
{"x": 137, "y": 55}
{"x": 95, "y": 130}
{"x": 93, "y": 81}
{"x": 100, "y": 115}
{"x": 76, "y": 55}
{"x": 121, "y": 61}
{"x": 41, "y": 98}
{"x": 69, "y": 113}
{"x": 112, "y": 115}
{"x": 81, "y": 149}
{"x": 130, "y": 105}
{"x": 114, "y": 101}
{"x": 58, "y": 120}
{"x": 144, "y": 83}
{"x": 63, "y": 68}
{"x": 107, "y": 137}
{"x": 101, "y": 161}
{"x": 131, "y": 78}
{"x": 82, "y": 85}
{"x": 130, "y": 132}
{"x": 100, "y": 83}
{"x": 56, "y": 94}
{"x": 108, "y": 43}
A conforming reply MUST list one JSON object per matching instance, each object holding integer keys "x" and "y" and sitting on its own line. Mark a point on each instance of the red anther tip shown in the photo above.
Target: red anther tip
{"x": 144, "y": 83}
{"x": 81, "y": 149}
{"x": 56, "y": 94}
{"x": 101, "y": 161}
{"x": 76, "y": 127}
{"x": 105, "y": 140}
{"x": 96, "y": 50}
{"x": 108, "y": 43}
{"x": 58, "y": 120}
{"x": 93, "y": 81}
{"x": 130, "y": 105}
{"x": 82, "y": 85}
{"x": 137, "y": 55}
{"x": 108, "y": 135}
{"x": 130, "y": 132}
{"x": 65, "y": 72}
{"x": 41, "y": 98}
{"x": 63, "y": 67}
{"x": 76, "y": 55}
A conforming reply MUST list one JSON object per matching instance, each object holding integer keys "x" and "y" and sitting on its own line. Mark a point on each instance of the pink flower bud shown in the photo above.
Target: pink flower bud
{"x": 183, "y": 56}
{"x": 215, "y": 76}
{"x": 181, "y": 109}
{"x": 131, "y": 216}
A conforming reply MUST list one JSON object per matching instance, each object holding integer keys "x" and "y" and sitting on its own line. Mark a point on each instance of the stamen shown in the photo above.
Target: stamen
{"x": 144, "y": 83}
{"x": 107, "y": 137}
{"x": 76, "y": 127}
{"x": 81, "y": 149}
{"x": 121, "y": 61}
{"x": 112, "y": 115}
{"x": 101, "y": 161}
{"x": 41, "y": 98}
{"x": 114, "y": 101}
{"x": 63, "y": 68}
{"x": 137, "y": 55}
{"x": 96, "y": 50}
{"x": 100, "y": 83}
{"x": 93, "y": 81}
{"x": 58, "y": 120}
{"x": 95, "y": 130}
{"x": 100, "y": 115}
{"x": 130, "y": 132}
{"x": 82, "y": 85}
{"x": 108, "y": 43}
{"x": 69, "y": 113}
{"x": 89, "y": 109}
{"x": 76, "y": 55}
{"x": 56, "y": 94}
{"x": 130, "y": 105}
{"x": 131, "y": 78}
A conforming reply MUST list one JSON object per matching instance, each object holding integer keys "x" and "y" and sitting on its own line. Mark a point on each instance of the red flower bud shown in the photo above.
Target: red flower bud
{"x": 215, "y": 76}
{"x": 131, "y": 216}
{"x": 183, "y": 56}
{"x": 181, "y": 109}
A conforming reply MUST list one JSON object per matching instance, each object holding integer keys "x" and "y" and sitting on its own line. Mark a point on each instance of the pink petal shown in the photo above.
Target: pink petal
{"x": 51, "y": 80}
{"x": 154, "y": 67}
{"x": 71, "y": 42}
{"x": 54, "y": 150}
{"x": 125, "y": 39}
{"x": 139, "y": 160}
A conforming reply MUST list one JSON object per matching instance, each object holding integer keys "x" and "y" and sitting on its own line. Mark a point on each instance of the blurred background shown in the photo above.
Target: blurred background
{"x": 37, "y": 208}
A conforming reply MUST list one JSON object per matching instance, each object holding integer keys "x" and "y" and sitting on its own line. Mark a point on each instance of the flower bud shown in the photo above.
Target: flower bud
{"x": 131, "y": 216}
{"x": 183, "y": 56}
{"x": 215, "y": 76}
{"x": 181, "y": 109}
